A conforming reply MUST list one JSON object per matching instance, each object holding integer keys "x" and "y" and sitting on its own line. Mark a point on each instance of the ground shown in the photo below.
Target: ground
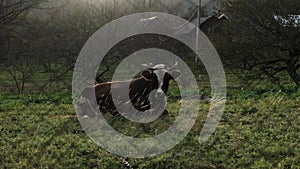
{"x": 259, "y": 129}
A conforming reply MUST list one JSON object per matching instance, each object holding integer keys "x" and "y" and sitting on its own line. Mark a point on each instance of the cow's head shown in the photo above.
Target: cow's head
{"x": 160, "y": 75}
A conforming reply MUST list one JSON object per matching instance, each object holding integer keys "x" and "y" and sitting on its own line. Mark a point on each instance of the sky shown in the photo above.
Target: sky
{"x": 293, "y": 20}
{"x": 177, "y": 7}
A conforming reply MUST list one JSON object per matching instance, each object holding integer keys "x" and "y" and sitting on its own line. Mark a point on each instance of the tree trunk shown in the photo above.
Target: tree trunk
{"x": 295, "y": 77}
{"x": 292, "y": 68}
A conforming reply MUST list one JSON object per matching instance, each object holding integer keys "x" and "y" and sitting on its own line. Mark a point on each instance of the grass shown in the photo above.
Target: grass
{"x": 259, "y": 129}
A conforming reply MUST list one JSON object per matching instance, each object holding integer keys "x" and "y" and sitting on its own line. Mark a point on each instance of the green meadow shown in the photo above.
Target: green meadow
{"x": 259, "y": 129}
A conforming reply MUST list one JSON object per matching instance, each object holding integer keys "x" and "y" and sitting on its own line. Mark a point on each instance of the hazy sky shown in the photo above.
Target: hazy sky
{"x": 178, "y": 7}
{"x": 182, "y": 8}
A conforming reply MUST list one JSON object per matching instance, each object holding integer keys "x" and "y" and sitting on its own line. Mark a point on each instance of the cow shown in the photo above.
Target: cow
{"x": 153, "y": 78}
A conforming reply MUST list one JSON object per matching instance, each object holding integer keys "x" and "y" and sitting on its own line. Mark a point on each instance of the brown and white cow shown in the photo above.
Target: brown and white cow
{"x": 154, "y": 78}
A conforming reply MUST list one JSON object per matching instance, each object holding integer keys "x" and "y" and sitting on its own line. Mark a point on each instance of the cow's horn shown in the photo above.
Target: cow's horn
{"x": 150, "y": 66}
{"x": 174, "y": 66}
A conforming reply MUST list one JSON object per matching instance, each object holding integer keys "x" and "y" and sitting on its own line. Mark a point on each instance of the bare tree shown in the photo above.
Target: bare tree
{"x": 65, "y": 37}
{"x": 53, "y": 41}
{"x": 20, "y": 63}
{"x": 10, "y": 10}
{"x": 263, "y": 38}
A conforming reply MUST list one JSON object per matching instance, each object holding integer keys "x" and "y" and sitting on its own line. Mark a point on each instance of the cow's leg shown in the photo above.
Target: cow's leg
{"x": 87, "y": 104}
{"x": 164, "y": 114}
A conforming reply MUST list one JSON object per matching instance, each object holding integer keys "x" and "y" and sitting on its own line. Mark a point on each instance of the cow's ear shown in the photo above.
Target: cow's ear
{"x": 146, "y": 74}
{"x": 175, "y": 74}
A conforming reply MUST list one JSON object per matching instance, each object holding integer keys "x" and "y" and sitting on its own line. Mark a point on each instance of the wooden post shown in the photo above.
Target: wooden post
{"x": 198, "y": 30}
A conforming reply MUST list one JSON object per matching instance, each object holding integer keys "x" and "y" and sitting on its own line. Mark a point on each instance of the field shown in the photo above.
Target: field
{"x": 259, "y": 129}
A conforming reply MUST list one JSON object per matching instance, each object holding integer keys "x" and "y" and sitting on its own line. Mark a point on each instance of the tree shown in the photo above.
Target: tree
{"x": 48, "y": 40}
{"x": 263, "y": 38}
{"x": 10, "y": 14}
{"x": 10, "y": 10}
{"x": 20, "y": 63}
{"x": 16, "y": 55}
{"x": 65, "y": 36}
